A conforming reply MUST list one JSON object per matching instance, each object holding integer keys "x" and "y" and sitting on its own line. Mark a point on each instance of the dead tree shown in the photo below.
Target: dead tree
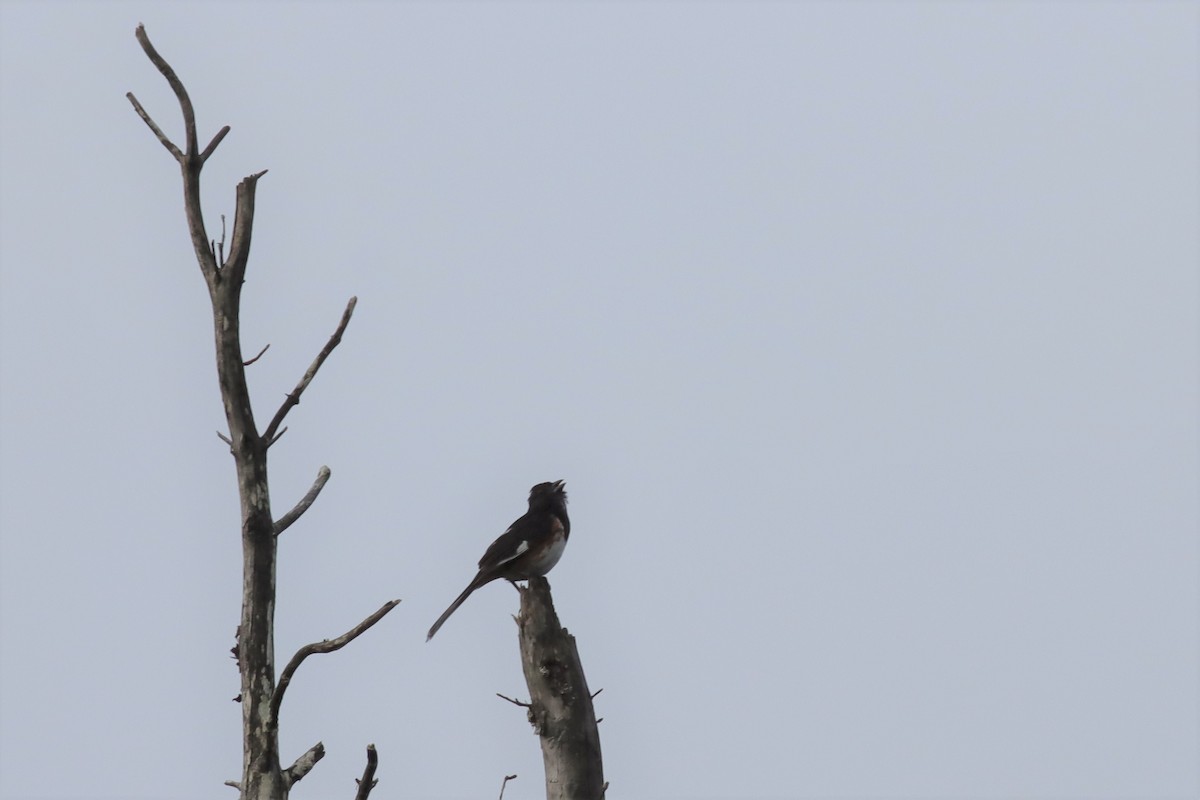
{"x": 263, "y": 777}
{"x": 560, "y": 705}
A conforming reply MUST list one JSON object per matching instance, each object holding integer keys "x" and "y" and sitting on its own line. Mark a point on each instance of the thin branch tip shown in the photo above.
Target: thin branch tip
{"x": 293, "y": 397}
{"x": 212, "y": 146}
{"x": 257, "y": 357}
{"x": 306, "y": 502}
{"x": 153, "y": 126}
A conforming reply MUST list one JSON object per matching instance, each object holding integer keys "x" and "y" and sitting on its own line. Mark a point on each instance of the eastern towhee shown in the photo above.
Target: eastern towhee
{"x": 528, "y": 549}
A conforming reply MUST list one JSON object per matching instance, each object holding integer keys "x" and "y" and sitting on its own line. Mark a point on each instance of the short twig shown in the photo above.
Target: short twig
{"x": 235, "y": 784}
{"x": 277, "y": 436}
{"x": 304, "y": 764}
{"x": 225, "y": 439}
{"x": 504, "y": 783}
{"x": 266, "y": 347}
{"x": 598, "y": 691}
{"x": 287, "y": 519}
{"x": 326, "y": 646}
{"x": 208, "y": 151}
{"x": 514, "y": 702}
{"x": 294, "y": 397}
{"x": 367, "y": 782}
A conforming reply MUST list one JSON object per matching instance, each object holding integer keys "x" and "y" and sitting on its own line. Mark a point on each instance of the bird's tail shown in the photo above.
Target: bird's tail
{"x": 472, "y": 586}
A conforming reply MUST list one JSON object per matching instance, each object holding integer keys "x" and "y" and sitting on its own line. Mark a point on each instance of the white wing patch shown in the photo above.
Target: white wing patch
{"x": 521, "y": 548}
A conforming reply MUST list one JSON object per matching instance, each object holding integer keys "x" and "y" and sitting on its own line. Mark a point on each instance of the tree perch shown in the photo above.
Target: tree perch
{"x": 560, "y": 705}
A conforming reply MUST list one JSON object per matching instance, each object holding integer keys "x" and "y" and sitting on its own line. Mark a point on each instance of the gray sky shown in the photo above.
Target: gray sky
{"x": 865, "y": 336}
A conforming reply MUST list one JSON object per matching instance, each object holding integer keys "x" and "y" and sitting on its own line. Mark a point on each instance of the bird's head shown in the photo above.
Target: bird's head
{"x": 551, "y": 495}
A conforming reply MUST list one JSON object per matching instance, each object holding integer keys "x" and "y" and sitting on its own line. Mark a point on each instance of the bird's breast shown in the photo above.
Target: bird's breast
{"x": 538, "y": 564}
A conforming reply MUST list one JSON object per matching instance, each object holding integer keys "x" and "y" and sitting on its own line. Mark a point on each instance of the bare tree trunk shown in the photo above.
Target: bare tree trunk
{"x": 263, "y": 777}
{"x": 560, "y": 705}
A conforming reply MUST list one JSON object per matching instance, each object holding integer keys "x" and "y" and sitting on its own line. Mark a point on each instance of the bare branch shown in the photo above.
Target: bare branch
{"x": 325, "y": 646}
{"x": 162, "y": 137}
{"x": 304, "y": 764}
{"x": 185, "y": 102}
{"x": 504, "y": 783}
{"x": 514, "y": 702}
{"x": 266, "y": 347}
{"x": 293, "y": 399}
{"x": 225, "y": 439}
{"x": 216, "y": 140}
{"x": 277, "y": 436}
{"x": 235, "y": 784}
{"x": 190, "y": 160}
{"x": 367, "y": 782}
{"x": 287, "y": 519}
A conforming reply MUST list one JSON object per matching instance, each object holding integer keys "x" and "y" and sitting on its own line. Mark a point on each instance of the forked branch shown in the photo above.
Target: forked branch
{"x": 293, "y": 398}
{"x": 185, "y": 105}
{"x": 185, "y": 102}
{"x": 191, "y": 161}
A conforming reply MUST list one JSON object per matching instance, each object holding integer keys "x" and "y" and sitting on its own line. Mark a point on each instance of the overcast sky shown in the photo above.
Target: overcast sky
{"x": 864, "y": 335}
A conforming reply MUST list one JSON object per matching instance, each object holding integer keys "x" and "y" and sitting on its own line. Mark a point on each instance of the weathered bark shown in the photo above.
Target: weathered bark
{"x": 262, "y": 776}
{"x": 560, "y": 705}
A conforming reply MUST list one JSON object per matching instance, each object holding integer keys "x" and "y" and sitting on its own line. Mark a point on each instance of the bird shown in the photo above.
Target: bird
{"x": 530, "y": 547}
